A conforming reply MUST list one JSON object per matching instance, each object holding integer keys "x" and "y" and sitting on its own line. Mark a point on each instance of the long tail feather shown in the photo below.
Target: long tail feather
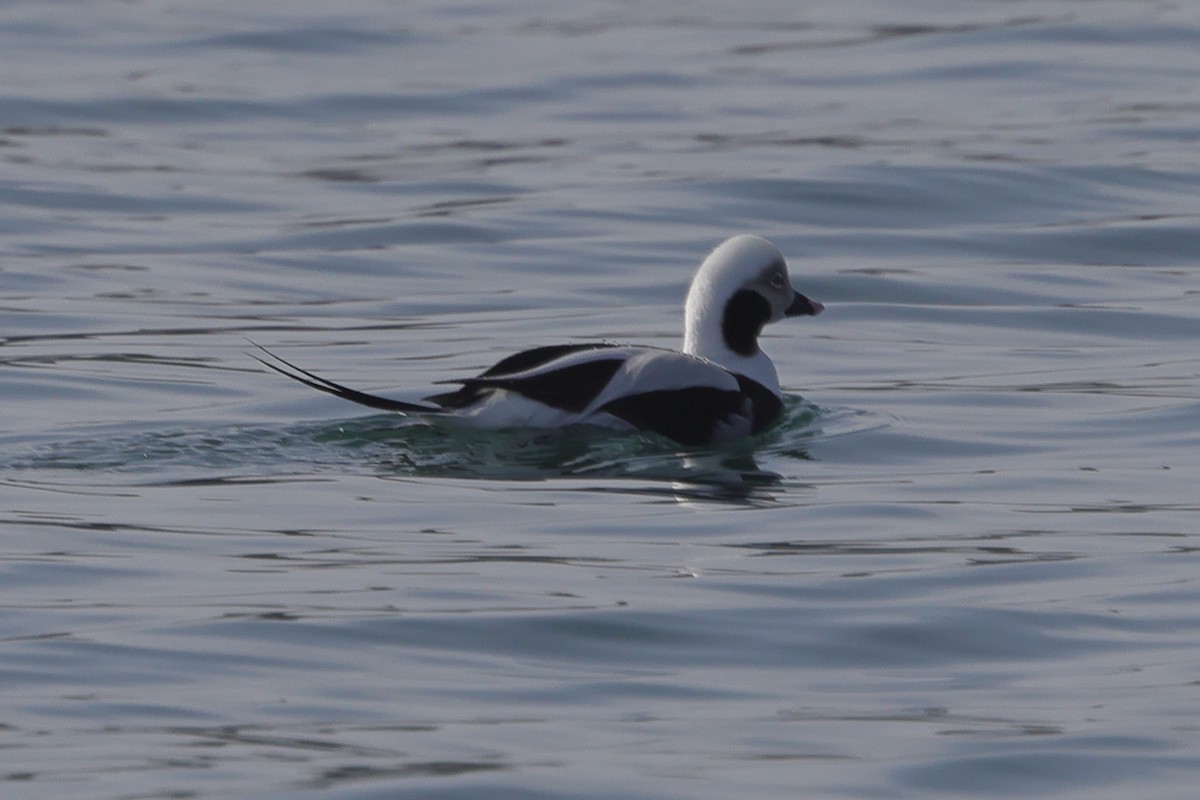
{"x": 346, "y": 393}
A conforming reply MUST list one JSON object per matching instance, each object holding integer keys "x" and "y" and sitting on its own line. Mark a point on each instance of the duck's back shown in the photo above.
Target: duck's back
{"x": 685, "y": 398}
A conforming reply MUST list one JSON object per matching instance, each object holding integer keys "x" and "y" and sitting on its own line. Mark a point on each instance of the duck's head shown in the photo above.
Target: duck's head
{"x": 741, "y": 286}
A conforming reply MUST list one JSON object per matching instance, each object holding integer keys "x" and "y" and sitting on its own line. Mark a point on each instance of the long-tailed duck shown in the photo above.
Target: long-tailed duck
{"x": 719, "y": 388}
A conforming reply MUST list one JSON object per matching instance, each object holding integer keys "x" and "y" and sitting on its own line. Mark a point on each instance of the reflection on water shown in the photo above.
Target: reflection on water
{"x": 392, "y": 445}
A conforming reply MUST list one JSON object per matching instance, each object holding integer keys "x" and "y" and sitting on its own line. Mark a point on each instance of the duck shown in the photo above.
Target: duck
{"x": 720, "y": 387}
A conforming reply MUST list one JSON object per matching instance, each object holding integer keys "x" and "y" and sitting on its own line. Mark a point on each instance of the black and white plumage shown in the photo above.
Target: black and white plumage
{"x": 719, "y": 388}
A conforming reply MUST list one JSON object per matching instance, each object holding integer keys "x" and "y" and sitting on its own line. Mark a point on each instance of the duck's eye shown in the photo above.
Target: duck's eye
{"x": 777, "y": 280}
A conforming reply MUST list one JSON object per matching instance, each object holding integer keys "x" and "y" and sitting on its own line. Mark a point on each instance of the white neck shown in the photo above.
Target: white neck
{"x": 702, "y": 338}
{"x": 721, "y": 275}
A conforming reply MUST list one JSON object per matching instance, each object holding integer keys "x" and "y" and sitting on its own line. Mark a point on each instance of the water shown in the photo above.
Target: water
{"x": 964, "y": 564}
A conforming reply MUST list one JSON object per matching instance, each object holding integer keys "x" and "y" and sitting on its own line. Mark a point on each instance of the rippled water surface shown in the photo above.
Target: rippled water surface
{"x": 965, "y": 563}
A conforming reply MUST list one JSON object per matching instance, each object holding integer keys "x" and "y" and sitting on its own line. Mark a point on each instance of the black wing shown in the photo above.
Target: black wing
{"x": 528, "y": 359}
{"x": 691, "y": 415}
{"x": 569, "y": 388}
{"x": 353, "y": 395}
{"x": 688, "y": 416}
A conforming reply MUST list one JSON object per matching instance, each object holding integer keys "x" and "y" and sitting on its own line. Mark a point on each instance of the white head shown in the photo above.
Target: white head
{"x": 741, "y": 286}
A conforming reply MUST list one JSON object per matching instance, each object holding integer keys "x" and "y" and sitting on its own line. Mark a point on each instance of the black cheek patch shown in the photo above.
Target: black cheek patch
{"x": 688, "y": 416}
{"x": 745, "y": 314}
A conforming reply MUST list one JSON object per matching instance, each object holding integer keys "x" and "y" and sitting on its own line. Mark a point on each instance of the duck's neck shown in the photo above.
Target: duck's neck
{"x": 703, "y": 336}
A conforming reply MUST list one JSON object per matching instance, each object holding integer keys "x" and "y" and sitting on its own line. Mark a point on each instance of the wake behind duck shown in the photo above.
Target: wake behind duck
{"x": 720, "y": 388}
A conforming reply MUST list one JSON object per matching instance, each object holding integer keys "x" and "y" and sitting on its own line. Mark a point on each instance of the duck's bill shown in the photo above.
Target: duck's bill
{"x": 803, "y": 307}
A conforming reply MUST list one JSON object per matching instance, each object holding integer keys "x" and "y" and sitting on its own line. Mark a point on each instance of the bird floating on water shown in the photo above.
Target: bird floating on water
{"x": 719, "y": 388}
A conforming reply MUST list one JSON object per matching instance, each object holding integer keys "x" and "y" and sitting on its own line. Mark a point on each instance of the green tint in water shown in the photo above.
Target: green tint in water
{"x": 394, "y": 445}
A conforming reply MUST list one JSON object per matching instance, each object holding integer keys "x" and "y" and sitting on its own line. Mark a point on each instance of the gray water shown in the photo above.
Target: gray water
{"x": 964, "y": 565}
